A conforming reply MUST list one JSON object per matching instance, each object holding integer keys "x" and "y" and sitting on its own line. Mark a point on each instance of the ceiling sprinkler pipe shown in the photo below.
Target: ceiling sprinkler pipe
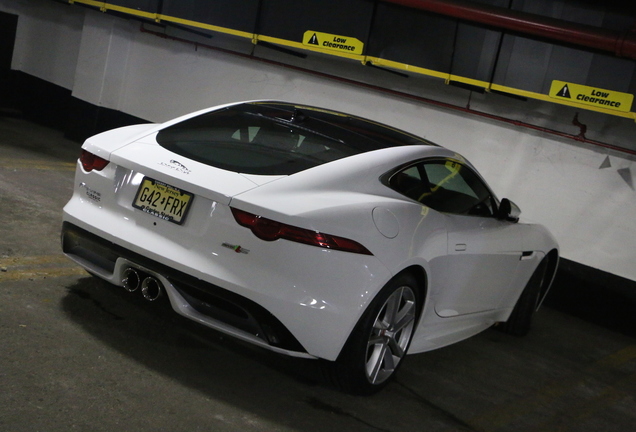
{"x": 621, "y": 44}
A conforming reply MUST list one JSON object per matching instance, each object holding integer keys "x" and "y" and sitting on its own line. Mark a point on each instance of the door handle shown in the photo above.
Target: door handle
{"x": 526, "y": 255}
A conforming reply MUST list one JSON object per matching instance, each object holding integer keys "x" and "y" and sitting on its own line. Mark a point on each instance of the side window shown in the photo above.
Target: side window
{"x": 445, "y": 186}
{"x": 409, "y": 182}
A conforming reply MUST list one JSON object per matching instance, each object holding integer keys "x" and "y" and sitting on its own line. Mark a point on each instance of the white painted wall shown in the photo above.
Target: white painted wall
{"x": 47, "y": 39}
{"x": 109, "y": 62}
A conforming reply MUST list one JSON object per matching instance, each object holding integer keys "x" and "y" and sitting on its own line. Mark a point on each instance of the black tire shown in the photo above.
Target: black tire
{"x": 377, "y": 346}
{"x": 520, "y": 319}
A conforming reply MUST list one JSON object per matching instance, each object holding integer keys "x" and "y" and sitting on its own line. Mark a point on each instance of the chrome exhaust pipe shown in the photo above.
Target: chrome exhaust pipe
{"x": 131, "y": 280}
{"x": 151, "y": 288}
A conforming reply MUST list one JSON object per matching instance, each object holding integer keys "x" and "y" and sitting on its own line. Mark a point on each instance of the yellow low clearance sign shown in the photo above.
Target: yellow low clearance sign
{"x": 344, "y": 44}
{"x": 593, "y": 96}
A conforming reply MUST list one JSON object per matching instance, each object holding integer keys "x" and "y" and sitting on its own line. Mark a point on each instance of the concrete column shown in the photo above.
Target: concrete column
{"x": 102, "y": 62}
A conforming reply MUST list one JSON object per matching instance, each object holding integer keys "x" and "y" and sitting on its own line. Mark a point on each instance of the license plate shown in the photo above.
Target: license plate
{"x": 162, "y": 200}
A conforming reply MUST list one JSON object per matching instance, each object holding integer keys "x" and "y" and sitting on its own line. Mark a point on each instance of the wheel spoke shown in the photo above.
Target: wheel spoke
{"x": 392, "y": 308}
{"x": 374, "y": 365}
{"x": 376, "y": 339}
{"x": 389, "y": 364}
{"x": 380, "y": 325}
{"x": 396, "y": 349}
{"x": 405, "y": 316}
{"x": 381, "y": 364}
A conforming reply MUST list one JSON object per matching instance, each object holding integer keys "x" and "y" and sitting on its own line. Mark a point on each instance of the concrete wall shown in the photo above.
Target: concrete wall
{"x": 47, "y": 41}
{"x": 108, "y": 62}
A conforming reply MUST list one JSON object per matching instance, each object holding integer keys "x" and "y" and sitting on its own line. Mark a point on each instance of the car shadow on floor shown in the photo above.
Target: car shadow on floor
{"x": 97, "y": 305}
{"x": 225, "y": 369}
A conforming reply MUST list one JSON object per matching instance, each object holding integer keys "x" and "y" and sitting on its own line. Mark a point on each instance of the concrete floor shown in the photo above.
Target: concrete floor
{"x": 77, "y": 354}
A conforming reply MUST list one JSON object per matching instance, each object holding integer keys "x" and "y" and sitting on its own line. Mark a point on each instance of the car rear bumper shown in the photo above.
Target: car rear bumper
{"x": 193, "y": 298}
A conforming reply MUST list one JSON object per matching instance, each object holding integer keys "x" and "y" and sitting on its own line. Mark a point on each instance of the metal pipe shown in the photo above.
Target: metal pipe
{"x": 131, "y": 280}
{"x": 621, "y": 44}
{"x": 151, "y": 289}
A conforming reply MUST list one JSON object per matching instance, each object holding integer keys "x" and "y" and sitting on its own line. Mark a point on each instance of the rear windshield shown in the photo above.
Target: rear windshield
{"x": 277, "y": 139}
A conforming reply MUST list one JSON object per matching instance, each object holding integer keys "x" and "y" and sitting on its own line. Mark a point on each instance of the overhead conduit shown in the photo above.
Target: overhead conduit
{"x": 621, "y": 44}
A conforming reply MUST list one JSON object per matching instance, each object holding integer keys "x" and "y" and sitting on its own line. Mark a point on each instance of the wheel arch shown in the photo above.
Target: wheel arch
{"x": 341, "y": 372}
{"x": 421, "y": 278}
{"x": 552, "y": 263}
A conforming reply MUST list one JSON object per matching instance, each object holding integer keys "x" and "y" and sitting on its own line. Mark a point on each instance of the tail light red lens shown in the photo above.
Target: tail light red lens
{"x": 92, "y": 162}
{"x": 269, "y": 230}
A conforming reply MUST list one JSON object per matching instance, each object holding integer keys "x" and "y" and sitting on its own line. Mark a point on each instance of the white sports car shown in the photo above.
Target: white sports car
{"x": 309, "y": 232}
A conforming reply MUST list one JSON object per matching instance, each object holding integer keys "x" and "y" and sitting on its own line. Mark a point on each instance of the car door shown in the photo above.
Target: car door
{"x": 483, "y": 258}
{"x": 483, "y": 252}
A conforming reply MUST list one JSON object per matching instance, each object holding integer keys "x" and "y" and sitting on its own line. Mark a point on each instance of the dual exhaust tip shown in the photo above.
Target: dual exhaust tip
{"x": 151, "y": 288}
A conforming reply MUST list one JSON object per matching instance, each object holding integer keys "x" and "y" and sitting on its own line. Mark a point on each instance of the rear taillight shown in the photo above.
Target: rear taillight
{"x": 269, "y": 230}
{"x": 92, "y": 162}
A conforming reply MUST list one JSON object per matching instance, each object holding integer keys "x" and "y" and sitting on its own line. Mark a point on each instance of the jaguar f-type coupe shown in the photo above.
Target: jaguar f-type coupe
{"x": 309, "y": 232}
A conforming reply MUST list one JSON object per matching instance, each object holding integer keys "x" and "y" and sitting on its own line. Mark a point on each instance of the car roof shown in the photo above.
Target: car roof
{"x": 335, "y": 124}
{"x": 277, "y": 138}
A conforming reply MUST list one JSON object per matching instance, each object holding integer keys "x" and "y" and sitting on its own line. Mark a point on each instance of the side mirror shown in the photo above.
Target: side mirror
{"x": 508, "y": 211}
